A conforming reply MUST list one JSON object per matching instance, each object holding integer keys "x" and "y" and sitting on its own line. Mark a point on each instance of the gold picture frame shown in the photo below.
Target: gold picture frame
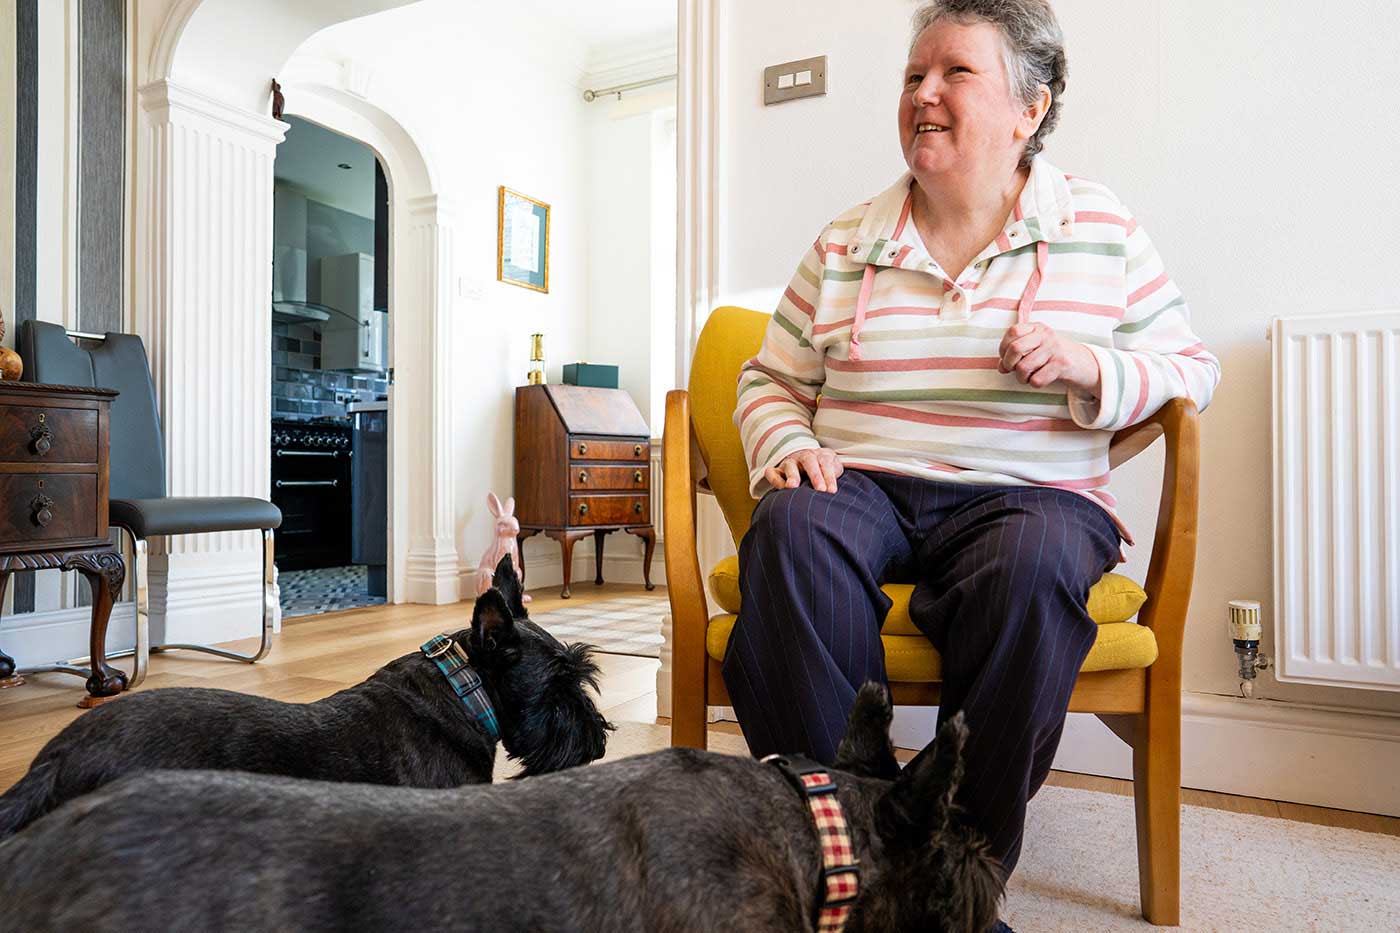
{"x": 522, "y": 240}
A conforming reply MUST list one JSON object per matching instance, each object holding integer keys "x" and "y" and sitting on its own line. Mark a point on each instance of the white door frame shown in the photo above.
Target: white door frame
{"x": 328, "y": 94}
{"x": 202, "y": 254}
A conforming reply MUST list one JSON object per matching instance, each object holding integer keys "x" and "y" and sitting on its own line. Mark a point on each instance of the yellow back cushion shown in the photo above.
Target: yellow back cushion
{"x": 730, "y": 338}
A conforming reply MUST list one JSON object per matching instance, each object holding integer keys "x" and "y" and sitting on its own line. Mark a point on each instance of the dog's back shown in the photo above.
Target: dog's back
{"x": 198, "y": 727}
{"x": 347, "y": 855}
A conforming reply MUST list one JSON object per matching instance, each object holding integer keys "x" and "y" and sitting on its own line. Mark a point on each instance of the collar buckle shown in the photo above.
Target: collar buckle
{"x": 437, "y": 647}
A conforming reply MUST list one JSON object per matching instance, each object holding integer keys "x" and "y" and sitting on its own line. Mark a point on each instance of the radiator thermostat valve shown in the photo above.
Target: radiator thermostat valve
{"x": 1245, "y": 630}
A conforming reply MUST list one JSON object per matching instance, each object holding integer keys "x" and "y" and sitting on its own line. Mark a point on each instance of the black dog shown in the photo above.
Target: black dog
{"x": 678, "y": 840}
{"x": 404, "y": 725}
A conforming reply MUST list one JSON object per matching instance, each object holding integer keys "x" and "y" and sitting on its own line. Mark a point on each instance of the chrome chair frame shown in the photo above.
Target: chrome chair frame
{"x": 141, "y": 653}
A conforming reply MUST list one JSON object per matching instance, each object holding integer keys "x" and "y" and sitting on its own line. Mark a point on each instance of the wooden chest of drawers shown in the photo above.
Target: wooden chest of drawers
{"x": 582, "y": 467}
{"x": 53, "y": 502}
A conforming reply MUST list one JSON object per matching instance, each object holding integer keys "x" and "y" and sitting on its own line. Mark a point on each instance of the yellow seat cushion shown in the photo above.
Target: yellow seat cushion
{"x": 1115, "y": 598}
{"x": 911, "y": 659}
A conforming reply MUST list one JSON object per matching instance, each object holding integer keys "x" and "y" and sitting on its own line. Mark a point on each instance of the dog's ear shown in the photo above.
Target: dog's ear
{"x": 865, "y": 750}
{"x": 508, "y": 582}
{"x": 492, "y": 623}
{"x": 921, "y": 801}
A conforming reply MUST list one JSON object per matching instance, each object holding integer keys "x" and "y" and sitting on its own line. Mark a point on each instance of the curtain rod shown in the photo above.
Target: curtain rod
{"x": 592, "y": 95}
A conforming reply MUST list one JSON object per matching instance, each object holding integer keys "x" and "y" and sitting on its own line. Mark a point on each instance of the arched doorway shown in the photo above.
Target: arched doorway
{"x": 201, "y": 268}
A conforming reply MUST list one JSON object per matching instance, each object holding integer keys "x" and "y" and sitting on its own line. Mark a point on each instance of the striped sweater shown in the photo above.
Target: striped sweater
{"x": 877, "y": 353}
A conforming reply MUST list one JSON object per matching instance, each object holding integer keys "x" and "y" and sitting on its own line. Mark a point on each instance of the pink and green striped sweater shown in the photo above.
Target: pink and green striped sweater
{"x": 877, "y": 353}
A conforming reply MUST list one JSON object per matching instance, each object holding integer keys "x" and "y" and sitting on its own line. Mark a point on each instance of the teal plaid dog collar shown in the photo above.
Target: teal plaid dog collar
{"x": 466, "y": 683}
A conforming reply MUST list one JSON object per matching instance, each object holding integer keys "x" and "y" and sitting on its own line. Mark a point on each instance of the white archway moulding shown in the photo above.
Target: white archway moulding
{"x": 424, "y": 562}
{"x": 202, "y": 272}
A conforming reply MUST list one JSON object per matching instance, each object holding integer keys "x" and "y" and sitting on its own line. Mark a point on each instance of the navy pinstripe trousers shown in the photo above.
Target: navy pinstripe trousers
{"x": 1003, "y": 574}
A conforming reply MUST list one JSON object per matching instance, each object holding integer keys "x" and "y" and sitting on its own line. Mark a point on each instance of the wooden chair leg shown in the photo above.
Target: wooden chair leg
{"x": 688, "y": 713}
{"x": 1157, "y": 795}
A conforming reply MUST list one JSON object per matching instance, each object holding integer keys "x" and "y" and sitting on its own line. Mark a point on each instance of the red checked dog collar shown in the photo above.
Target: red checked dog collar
{"x": 840, "y": 868}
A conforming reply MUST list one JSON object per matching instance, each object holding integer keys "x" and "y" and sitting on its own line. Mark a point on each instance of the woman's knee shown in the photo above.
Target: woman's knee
{"x": 786, "y": 515}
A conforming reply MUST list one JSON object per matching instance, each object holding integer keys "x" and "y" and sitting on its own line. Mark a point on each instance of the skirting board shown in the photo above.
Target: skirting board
{"x": 1347, "y": 760}
{"x": 62, "y": 634}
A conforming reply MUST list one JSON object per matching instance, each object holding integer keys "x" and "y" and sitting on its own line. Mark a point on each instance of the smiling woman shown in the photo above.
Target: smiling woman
{"x": 946, "y": 368}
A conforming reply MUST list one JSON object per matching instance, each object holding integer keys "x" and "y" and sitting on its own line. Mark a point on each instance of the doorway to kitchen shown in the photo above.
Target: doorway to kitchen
{"x": 330, "y": 371}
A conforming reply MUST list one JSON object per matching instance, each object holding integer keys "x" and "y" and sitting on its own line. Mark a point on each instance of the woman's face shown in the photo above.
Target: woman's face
{"x": 956, "y": 113}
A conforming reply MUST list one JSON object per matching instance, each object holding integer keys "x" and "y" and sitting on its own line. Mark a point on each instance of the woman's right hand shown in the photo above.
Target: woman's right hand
{"x": 820, "y": 465}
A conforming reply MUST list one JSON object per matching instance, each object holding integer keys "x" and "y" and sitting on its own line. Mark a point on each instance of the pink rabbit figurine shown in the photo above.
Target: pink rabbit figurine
{"x": 507, "y": 531}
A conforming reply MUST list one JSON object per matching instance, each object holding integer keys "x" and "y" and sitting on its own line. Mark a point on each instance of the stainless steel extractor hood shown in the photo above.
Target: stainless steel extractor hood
{"x": 289, "y": 304}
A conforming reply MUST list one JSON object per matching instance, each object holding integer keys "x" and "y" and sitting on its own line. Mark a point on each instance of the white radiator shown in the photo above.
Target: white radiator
{"x": 1337, "y": 499}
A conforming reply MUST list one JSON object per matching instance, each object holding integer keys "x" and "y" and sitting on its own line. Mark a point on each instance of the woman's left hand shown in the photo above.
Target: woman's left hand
{"x": 1039, "y": 356}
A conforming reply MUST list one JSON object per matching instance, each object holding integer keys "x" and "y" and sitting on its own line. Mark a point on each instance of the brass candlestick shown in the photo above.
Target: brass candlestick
{"x": 536, "y": 375}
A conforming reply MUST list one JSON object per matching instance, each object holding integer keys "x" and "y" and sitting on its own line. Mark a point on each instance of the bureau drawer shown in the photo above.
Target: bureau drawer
{"x": 34, "y": 434}
{"x": 584, "y": 476}
{"x": 587, "y": 448}
{"x": 609, "y": 510}
{"x": 69, "y": 498}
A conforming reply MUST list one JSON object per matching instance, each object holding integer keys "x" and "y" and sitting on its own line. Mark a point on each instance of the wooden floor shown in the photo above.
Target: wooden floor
{"x": 318, "y": 655}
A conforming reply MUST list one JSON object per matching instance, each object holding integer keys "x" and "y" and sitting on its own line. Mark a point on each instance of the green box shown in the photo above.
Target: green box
{"x": 590, "y": 374}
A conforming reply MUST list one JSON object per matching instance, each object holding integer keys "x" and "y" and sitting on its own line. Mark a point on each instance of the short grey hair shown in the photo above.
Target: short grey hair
{"x": 1033, "y": 49}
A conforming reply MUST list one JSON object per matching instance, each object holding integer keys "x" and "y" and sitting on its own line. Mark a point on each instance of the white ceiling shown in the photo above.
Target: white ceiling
{"x": 309, "y": 158}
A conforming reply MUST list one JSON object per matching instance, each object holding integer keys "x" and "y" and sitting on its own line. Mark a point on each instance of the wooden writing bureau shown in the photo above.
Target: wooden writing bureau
{"x": 54, "y": 444}
{"x": 582, "y": 467}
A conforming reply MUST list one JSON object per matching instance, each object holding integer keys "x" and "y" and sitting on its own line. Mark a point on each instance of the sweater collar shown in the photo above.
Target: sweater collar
{"x": 1044, "y": 211}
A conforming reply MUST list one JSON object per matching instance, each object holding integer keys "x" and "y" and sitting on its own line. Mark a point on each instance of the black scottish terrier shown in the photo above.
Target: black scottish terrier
{"x": 678, "y": 840}
{"x": 404, "y": 725}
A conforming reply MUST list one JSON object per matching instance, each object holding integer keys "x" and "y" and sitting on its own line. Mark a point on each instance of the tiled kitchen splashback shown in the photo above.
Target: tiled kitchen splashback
{"x": 301, "y": 389}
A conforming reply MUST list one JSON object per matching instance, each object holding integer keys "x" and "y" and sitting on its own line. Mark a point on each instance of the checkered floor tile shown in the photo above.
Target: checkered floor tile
{"x": 329, "y": 589}
{"x": 625, "y": 625}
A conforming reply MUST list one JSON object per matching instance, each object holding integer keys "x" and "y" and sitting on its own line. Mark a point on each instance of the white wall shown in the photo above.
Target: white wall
{"x": 1254, "y": 142}
{"x": 632, "y": 197}
{"x": 620, "y": 204}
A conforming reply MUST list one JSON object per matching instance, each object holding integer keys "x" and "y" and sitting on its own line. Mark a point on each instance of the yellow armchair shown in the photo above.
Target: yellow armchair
{"x": 1131, "y": 679}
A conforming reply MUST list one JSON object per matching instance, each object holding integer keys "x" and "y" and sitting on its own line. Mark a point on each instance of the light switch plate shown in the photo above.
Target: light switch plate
{"x": 774, "y": 94}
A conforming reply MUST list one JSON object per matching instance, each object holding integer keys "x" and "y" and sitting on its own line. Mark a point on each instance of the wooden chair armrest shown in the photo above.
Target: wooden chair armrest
{"x": 685, "y": 587}
{"x": 1173, "y": 563}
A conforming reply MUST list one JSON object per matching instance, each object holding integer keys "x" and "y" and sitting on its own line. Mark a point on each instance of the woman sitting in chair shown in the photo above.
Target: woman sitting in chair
{"x": 934, "y": 400}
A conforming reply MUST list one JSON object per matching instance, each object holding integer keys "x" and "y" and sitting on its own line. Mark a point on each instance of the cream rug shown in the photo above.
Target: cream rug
{"x": 1240, "y": 873}
{"x": 624, "y": 625}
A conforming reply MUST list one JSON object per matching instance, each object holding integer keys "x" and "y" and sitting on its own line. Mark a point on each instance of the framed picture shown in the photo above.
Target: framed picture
{"x": 522, "y": 240}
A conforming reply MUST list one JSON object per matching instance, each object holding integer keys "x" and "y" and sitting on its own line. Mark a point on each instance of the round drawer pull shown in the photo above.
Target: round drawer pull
{"x": 637, "y": 507}
{"x": 583, "y": 476}
{"x": 583, "y": 508}
{"x": 637, "y": 476}
{"x": 637, "y": 450}
{"x": 583, "y": 450}
{"x": 40, "y": 437}
{"x": 43, "y": 510}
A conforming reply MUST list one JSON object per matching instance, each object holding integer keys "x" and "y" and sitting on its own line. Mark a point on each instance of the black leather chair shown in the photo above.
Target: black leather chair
{"x": 138, "y": 503}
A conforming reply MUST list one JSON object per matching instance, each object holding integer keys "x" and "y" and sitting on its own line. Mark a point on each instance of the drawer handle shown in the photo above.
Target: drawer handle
{"x": 637, "y": 507}
{"x": 43, "y": 510}
{"x": 637, "y": 450}
{"x": 40, "y": 437}
{"x": 582, "y": 477}
{"x": 637, "y": 476}
{"x": 583, "y": 508}
{"x": 583, "y": 450}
